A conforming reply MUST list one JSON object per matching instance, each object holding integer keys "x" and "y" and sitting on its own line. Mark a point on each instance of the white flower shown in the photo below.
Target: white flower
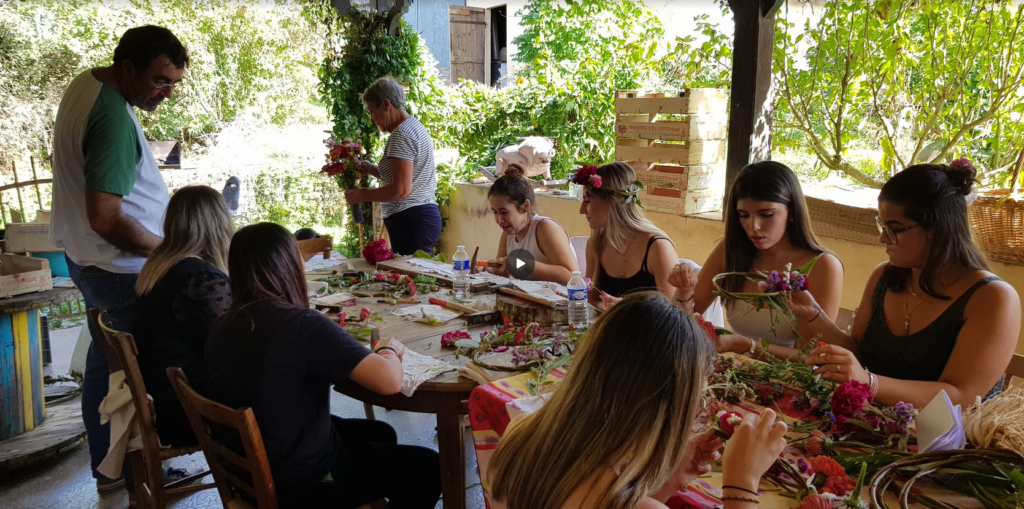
{"x": 734, "y": 419}
{"x": 789, "y": 268}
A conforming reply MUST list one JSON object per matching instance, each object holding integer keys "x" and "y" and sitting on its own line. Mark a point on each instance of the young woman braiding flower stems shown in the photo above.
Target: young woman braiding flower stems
{"x": 616, "y": 432}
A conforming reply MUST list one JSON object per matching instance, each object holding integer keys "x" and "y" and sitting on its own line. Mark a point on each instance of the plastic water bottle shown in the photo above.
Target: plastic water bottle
{"x": 460, "y": 273}
{"x": 578, "y": 311}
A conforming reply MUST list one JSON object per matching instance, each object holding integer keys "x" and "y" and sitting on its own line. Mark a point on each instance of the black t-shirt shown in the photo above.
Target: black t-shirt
{"x": 281, "y": 361}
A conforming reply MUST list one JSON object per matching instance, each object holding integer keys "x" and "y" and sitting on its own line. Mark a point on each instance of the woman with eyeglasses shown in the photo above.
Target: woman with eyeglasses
{"x": 933, "y": 317}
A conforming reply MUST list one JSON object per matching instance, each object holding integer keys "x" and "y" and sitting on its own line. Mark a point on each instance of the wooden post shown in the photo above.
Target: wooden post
{"x": 751, "y": 104}
{"x": 21, "y": 204}
{"x": 39, "y": 196}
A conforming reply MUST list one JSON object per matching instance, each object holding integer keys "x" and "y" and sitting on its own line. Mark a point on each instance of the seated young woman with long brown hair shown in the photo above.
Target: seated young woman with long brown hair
{"x": 274, "y": 354}
{"x": 766, "y": 227}
{"x": 616, "y": 432}
{"x": 514, "y": 207}
{"x": 182, "y": 290}
{"x": 625, "y": 253}
{"x": 931, "y": 318}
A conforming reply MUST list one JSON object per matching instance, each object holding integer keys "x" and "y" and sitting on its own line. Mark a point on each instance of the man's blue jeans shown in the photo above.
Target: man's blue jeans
{"x": 114, "y": 293}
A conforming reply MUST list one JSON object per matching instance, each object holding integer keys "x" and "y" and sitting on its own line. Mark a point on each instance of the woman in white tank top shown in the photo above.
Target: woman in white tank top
{"x": 766, "y": 227}
{"x": 512, "y": 203}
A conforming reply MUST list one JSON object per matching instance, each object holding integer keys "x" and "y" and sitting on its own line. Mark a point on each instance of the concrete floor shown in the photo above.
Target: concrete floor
{"x": 66, "y": 483}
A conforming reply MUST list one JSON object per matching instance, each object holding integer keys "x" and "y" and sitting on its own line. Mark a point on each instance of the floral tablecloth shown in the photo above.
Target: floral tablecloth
{"x": 492, "y": 407}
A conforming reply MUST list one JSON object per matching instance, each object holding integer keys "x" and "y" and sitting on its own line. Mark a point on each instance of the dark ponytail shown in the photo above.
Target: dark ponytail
{"x": 935, "y": 196}
{"x": 514, "y": 185}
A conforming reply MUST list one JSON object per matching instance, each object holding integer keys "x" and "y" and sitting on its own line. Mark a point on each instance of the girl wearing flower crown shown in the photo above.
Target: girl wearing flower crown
{"x": 933, "y": 317}
{"x": 766, "y": 228}
{"x": 513, "y": 205}
{"x": 626, "y": 252}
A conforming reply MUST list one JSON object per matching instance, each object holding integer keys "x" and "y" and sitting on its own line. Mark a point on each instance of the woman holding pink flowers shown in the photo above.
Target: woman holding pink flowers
{"x": 767, "y": 230}
{"x": 931, "y": 318}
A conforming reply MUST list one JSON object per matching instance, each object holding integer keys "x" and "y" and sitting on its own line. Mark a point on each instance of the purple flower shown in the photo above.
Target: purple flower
{"x": 904, "y": 416}
{"x": 499, "y": 349}
{"x": 783, "y": 287}
{"x": 803, "y": 466}
{"x": 831, "y": 416}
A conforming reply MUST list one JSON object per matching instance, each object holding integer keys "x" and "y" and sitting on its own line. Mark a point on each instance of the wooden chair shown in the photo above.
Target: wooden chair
{"x": 150, "y": 490}
{"x": 1015, "y": 369}
{"x": 208, "y": 417}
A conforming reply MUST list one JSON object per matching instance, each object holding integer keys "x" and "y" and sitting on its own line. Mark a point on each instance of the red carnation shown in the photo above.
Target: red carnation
{"x": 849, "y": 399}
{"x": 728, "y": 421}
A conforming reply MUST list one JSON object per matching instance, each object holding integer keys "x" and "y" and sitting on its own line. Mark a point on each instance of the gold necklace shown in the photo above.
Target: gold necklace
{"x": 906, "y": 322}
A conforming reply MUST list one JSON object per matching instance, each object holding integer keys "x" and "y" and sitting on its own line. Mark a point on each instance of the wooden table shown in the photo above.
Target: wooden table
{"x": 441, "y": 396}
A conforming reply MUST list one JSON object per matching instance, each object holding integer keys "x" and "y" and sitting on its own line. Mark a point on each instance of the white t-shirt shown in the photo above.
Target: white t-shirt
{"x": 98, "y": 144}
{"x": 410, "y": 142}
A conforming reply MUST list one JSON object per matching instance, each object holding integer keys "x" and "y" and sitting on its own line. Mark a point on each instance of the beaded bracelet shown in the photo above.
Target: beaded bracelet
{"x": 752, "y": 500}
{"x": 873, "y": 384}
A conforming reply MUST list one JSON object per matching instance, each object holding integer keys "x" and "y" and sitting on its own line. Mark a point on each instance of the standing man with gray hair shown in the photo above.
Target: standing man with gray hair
{"x": 407, "y": 170}
{"x": 109, "y": 198}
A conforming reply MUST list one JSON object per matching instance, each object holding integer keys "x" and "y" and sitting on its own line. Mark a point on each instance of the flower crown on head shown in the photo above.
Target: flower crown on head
{"x": 587, "y": 177}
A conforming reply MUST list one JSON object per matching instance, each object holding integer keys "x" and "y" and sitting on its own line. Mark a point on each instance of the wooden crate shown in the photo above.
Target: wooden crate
{"x": 692, "y": 203}
{"x": 21, "y": 274}
{"x": 694, "y": 127}
{"x": 687, "y": 154}
{"x": 694, "y": 101}
{"x": 679, "y": 179}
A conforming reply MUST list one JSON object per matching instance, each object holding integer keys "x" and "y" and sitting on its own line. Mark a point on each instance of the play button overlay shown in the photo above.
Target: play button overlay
{"x": 520, "y": 264}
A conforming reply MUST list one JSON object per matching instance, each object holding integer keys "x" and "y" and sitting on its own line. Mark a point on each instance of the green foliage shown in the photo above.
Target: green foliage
{"x": 251, "y": 59}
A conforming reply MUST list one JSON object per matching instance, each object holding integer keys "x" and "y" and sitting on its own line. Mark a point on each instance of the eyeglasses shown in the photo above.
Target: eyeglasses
{"x": 161, "y": 86}
{"x": 891, "y": 233}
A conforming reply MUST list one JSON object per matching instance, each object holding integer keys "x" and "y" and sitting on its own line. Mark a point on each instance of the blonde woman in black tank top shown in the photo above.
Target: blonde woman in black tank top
{"x": 931, "y": 318}
{"x": 626, "y": 253}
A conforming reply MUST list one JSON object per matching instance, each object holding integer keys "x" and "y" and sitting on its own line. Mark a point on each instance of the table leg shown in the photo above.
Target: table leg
{"x": 452, "y": 451}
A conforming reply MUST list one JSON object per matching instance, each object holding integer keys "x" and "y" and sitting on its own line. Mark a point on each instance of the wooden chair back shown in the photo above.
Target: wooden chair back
{"x": 150, "y": 490}
{"x": 241, "y": 480}
{"x": 1015, "y": 369}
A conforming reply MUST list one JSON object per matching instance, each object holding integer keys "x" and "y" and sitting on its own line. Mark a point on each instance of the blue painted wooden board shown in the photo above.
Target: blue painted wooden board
{"x": 11, "y": 422}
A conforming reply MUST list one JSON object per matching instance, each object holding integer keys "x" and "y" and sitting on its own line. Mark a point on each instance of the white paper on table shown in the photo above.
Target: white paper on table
{"x": 487, "y": 277}
{"x": 418, "y": 368}
{"x": 426, "y": 312}
{"x": 528, "y": 405}
{"x": 336, "y": 299}
{"x": 553, "y": 292}
{"x": 63, "y": 282}
{"x": 939, "y": 427}
{"x": 431, "y": 266}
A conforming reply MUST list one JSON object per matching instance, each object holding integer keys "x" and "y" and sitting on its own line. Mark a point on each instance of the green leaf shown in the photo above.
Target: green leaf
{"x": 467, "y": 343}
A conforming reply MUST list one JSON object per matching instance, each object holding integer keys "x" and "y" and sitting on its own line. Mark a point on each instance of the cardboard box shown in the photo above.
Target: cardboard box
{"x": 690, "y": 153}
{"x": 683, "y": 178}
{"x": 25, "y": 237}
{"x": 694, "y": 101}
{"x": 21, "y": 274}
{"x": 695, "y": 127}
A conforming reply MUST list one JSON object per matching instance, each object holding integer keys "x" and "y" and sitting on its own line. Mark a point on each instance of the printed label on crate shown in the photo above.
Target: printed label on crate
{"x": 664, "y": 204}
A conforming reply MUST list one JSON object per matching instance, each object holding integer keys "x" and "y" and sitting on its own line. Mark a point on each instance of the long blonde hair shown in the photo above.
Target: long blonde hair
{"x": 197, "y": 224}
{"x": 632, "y": 394}
{"x": 625, "y": 217}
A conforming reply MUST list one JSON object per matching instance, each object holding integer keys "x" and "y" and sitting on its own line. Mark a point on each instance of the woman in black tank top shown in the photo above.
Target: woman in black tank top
{"x": 933, "y": 317}
{"x": 625, "y": 253}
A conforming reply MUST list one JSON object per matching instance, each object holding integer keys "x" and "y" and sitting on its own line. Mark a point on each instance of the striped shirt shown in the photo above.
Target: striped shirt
{"x": 410, "y": 142}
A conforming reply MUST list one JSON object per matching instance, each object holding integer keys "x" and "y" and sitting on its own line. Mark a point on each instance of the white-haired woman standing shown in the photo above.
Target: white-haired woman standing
{"x": 407, "y": 170}
{"x": 181, "y": 290}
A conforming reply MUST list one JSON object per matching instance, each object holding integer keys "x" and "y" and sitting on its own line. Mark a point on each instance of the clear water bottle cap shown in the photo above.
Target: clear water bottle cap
{"x": 460, "y": 248}
{"x": 576, "y": 273}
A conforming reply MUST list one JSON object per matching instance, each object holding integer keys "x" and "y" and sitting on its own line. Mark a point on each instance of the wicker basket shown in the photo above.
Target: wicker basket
{"x": 998, "y": 223}
{"x": 846, "y": 222}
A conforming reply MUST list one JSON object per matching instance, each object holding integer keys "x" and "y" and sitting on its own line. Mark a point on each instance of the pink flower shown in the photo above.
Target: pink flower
{"x": 448, "y": 339}
{"x": 377, "y": 251}
{"x": 595, "y": 181}
{"x": 379, "y": 276}
{"x": 364, "y": 314}
{"x": 819, "y": 444}
{"x": 963, "y": 161}
{"x": 815, "y": 502}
